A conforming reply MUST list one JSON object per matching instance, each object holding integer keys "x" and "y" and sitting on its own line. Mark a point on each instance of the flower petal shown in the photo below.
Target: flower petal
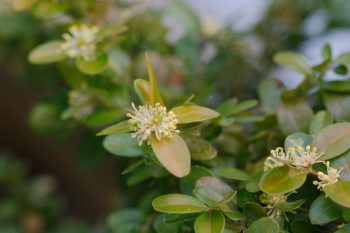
{"x": 193, "y": 113}
{"x": 173, "y": 154}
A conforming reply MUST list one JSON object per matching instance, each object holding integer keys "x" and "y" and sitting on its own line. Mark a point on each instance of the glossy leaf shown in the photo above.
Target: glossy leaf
{"x": 235, "y": 216}
{"x": 235, "y": 174}
{"x": 323, "y": 211}
{"x": 121, "y": 127}
{"x": 156, "y": 97}
{"x": 173, "y": 154}
{"x": 200, "y": 149}
{"x": 281, "y": 180}
{"x": 320, "y": 120}
{"x": 123, "y": 145}
{"x": 290, "y": 206}
{"x": 193, "y": 113}
{"x": 253, "y": 212}
{"x": 163, "y": 227}
{"x": 297, "y": 139}
{"x": 143, "y": 90}
{"x": 94, "y": 66}
{"x": 178, "y": 204}
{"x": 266, "y": 224}
{"x": 338, "y": 105}
{"x": 339, "y": 193}
{"x": 294, "y": 116}
{"x": 188, "y": 183}
{"x": 294, "y": 61}
{"x": 210, "y": 222}
{"x": 333, "y": 140}
{"x": 47, "y": 53}
{"x": 343, "y": 162}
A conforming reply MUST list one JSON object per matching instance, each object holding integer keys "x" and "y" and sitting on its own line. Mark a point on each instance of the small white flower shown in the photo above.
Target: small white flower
{"x": 303, "y": 158}
{"x": 277, "y": 159}
{"x": 148, "y": 120}
{"x": 81, "y": 42}
{"x": 331, "y": 177}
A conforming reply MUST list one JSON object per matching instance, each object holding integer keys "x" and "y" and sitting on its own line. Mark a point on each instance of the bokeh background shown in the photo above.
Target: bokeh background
{"x": 54, "y": 174}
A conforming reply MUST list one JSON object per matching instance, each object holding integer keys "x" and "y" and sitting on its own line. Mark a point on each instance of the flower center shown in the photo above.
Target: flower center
{"x": 148, "y": 120}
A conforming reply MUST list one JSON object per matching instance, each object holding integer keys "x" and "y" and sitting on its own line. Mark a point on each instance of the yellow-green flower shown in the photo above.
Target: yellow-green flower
{"x": 153, "y": 124}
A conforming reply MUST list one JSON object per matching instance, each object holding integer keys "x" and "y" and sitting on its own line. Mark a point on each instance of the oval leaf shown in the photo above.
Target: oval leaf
{"x": 235, "y": 174}
{"x": 294, "y": 61}
{"x": 121, "y": 127}
{"x": 93, "y": 67}
{"x": 266, "y": 225}
{"x": 47, "y": 53}
{"x": 193, "y": 113}
{"x": 323, "y": 211}
{"x": 333, "y": 140}
{"x": 339, "y": 193}
{"x": 178, "y": 204}
{"x": 123, "y": 145}
{"x": 210, "y": 222}
{"x": 173, "y": 154}
{"x": 319, "y": 121}
{"x": 281, "y": 180}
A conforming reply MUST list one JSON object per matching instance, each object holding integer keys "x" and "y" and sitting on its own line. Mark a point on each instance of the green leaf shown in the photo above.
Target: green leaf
{"x": 343, "y": 162}
{"x": 320, "y": 120}
{"x": 338, "y": 86}
{"x": 47, "y": 53}
{"x": 269, "y": 95}
{"x": 327, "y": 52}
{"x": 126, "y": 221}
{"x": 178, "y": 218}
{"x": 200, "y": 149}
{"x": 339, "y": 193}
{"x": 294, "y": 116}
{"x": 210, "y": 222}
{"x": 111, "y": 30}
{"x": 143, "y": 90}
{"x": 102, "y": 117}
{"x": 267, "y": 224}
{"x": 173, "y": 154}
{"x": 281, "y": 180}
{"x": 290, "y": 206}
{"x": 235, "y": 174}
{"x": 226, "y": 107}
{"x": 188, "y": 183}
{"x": 178, "y": 204}
{"x": 94, "y": 66}
{"x": 156, "y": 97}
{"x": 121, "y": 127}
{"x": 163, "y": 227}
{"x": 338, "y": 105}
{"x": 297, "y": 139}
{"x": 303, "y": 226}
{"x": 323, "y": 211}
{"x": 293, "y": 61}
{"x": 211, "y": 190}
{"x": 235, "y": 216}
{"x": 123, "y": 145}
{"x": 343, "y": 59}
{"x": 341, "y": 70}
{"x": 253, "y": 211}
{"x": 193, "y": 113}
{"x": 333, "y": 140}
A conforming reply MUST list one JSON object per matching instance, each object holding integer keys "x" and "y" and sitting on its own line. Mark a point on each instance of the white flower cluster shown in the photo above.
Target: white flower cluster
{"x": 303, "y": 159}
{"x": 81, "y": 42}
{"x": 296, "y": 156}
{"x": 147, "y": 120}
{"x": 331, "y": 177}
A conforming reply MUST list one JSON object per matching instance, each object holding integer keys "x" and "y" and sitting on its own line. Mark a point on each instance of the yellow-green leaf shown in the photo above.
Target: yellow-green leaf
{"x": 121, "y": 127}
{"x": 94, "y": 66}
{"x": 210, "y": 222}
{"x": 47, "y": 53}
{"x": 294, "y": 61}
{"x": 143, "y": 90}
{"x": 178, "y": 204}
{"x": 339, "y": 193}
{"x": 333, "y": 140}
{"x": 193, "y": 113}
{"x": 173, "y": 154}
{"x": 281, "y": 180}
{"x": 266, "y": 225}
{"x": 156, "y": 97}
